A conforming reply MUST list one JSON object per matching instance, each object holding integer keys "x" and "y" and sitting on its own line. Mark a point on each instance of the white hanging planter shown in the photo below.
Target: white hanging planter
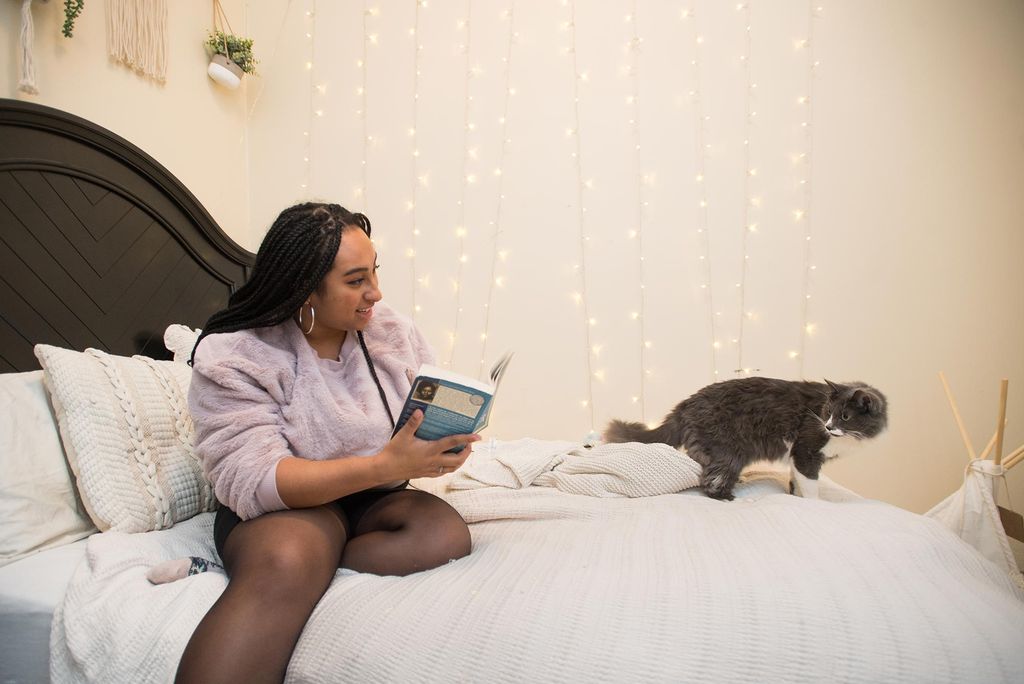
{"x": 224, "y": 71}
{"x": 230, "y": 55}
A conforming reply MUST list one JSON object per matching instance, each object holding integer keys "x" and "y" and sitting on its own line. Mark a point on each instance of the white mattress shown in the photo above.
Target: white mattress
{"x": 30, "y": 590}
{"x": 564, "y": 587}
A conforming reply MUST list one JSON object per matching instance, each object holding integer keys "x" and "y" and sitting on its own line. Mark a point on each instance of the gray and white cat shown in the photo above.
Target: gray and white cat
{"x": 728, "y": 425}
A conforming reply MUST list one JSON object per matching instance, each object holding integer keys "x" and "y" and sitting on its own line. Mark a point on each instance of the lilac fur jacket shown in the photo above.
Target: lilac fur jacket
{"x": 260, "y": 395}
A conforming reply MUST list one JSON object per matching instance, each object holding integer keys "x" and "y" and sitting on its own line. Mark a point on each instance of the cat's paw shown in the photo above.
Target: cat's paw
{"x": 718, "y": 482}
{"x": 720, "y": 495}
{"x": 805, "y": 486}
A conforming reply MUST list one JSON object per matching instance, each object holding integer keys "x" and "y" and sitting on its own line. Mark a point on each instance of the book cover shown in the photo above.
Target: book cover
{"x": 452, "y": 404}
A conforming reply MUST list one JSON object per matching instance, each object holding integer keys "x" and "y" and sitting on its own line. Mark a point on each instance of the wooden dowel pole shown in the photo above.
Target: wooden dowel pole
{"x": 988, "y": 447}
{"x": 1014, "y": 457}
{"x": 1003, "y": 389}
{"x": 956, "y": 414}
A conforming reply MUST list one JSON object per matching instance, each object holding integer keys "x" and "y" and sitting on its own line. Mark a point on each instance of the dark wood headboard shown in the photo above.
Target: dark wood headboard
{"x": 100, "y": 246}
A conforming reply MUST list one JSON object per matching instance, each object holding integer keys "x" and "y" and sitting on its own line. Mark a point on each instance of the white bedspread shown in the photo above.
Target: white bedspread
{"x": 563, "y": 587}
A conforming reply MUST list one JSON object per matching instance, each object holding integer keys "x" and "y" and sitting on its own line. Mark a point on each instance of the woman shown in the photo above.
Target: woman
{"x": 294, "y": 407}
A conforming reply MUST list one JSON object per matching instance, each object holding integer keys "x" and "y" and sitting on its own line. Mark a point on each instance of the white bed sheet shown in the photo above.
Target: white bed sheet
{"x": 30, "y": 590}
{"x": 563, "y": 587}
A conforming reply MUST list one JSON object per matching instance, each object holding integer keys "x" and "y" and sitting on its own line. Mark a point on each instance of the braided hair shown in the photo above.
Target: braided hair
{"x": 296, "y": 254}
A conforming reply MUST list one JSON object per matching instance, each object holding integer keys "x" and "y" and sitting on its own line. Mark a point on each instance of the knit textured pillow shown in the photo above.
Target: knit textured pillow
{"x": 38, "y": 506}
{"x": 128, "y": 436}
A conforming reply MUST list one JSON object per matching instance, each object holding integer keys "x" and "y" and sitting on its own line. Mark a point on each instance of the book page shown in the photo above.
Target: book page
{"x": 497, "y": 373}
{"x": 499, "y": 367}
{"x": 456, "y": 400}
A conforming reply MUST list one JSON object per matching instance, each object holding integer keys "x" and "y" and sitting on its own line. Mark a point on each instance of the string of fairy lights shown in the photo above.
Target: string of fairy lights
{"x": 642, "y": 179}
{"x": 417, "y": 179}
{"x": 362, "y": 191}
{"x": 803, "y": 214}
{"x": 749, "y": 172}
{"x": 497, "y": 248}
{"x": 467, "y": 177}
{"x": 700, "y": 155}
{"x": 313, "y": 109}
{"x": 580, "y": 295}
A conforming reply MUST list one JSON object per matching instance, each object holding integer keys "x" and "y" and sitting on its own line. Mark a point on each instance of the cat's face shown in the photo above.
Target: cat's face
{"x": 855, "y": 409}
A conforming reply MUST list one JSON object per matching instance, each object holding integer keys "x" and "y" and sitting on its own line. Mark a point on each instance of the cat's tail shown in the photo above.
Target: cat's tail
{"x": 624, "y": 431}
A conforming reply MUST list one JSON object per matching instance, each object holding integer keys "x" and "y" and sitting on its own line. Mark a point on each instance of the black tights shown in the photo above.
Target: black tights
{"x": 281, "y": 563}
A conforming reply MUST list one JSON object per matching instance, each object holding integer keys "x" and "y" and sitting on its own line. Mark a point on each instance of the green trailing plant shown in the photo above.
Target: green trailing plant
{"x": 72, "y": 8}
{"x": 238, "y": 50}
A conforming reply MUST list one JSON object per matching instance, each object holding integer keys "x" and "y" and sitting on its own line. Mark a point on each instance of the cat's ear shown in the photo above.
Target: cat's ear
{"x": 836, "y": 389}
{"x": 867, "y": 402}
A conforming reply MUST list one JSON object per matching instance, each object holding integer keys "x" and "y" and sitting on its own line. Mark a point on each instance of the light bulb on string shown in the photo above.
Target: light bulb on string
{"x": 702, "y": 148}
{"x": 498, "y": 253}
{"x": 361, "y": 64}
{"x": 469, "y": 154}
{"x": 802, "y": 216}
{"x": 312, "y": 109}
{"x": 588, "y": 321}
{"x": 643, "y": 182}
{"x": 414, "y": 232}
{"x": 748, "y": 226}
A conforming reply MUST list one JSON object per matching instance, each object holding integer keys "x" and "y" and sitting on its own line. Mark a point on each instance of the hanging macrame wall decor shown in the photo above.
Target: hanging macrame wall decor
{"x": 137, "y": 35}
{"x": 27, "y": 77}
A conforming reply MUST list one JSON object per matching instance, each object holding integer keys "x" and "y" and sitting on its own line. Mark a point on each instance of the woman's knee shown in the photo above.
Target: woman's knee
{"x": 452, "y": 530}
{"x": 443, "y": 533}
{"x": 454, "y": 540}
{"x": 292, "y": 551}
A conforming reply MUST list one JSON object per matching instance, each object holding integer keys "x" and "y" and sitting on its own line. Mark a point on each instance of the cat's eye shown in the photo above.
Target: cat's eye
{"x": 845, "y": 416}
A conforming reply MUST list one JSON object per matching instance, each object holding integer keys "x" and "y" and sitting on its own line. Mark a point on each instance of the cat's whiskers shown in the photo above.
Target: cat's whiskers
{"x": 817, "y": 418}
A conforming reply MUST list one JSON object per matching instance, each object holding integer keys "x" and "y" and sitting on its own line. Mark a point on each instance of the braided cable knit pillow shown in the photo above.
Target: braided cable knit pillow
{"x": 128, "y": 435}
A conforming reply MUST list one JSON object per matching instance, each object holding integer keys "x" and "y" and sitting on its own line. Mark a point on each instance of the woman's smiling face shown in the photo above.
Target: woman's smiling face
{"x": 344, "y": 299}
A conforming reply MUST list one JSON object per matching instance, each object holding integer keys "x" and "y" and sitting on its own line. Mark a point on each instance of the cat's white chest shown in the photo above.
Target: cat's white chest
{"x": 839, "y": 446}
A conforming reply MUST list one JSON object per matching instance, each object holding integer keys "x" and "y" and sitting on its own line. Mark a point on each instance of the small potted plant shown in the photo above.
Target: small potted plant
{"x": 230, "y": 58}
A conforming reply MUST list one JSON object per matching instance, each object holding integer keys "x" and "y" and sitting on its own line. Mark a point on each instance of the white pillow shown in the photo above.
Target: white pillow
{"x": 180, "y": 340}
{"x": 128, "y": 436}
{"x": 38, "y": 505}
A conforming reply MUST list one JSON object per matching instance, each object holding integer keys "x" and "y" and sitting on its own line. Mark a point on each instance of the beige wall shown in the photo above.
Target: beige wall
{"x": 916, "y": 217}
{"x": 914, "y": 198}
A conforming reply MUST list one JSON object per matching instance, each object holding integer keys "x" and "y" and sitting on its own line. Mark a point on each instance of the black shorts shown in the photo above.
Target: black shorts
{"x": 354, "y": 506}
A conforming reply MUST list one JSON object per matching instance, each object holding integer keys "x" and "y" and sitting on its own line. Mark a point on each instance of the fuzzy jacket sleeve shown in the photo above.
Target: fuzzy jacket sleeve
{"x": 235, "y": 399}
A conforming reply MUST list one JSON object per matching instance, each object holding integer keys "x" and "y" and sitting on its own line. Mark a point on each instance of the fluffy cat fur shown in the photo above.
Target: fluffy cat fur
{"x": 728, "y": 425}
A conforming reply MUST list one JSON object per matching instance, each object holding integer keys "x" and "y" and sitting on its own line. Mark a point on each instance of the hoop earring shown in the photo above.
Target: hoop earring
{"x": 312, "y": 319}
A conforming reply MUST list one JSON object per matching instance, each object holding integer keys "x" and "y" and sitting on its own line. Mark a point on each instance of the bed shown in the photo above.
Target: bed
{"x": 588, "y": 564}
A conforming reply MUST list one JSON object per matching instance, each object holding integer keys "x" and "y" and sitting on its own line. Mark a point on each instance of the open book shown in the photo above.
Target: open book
{"x": 452, "y": 404}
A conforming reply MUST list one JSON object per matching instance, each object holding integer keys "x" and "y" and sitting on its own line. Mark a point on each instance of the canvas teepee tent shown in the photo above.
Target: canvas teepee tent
{"x": 971, "y": 512}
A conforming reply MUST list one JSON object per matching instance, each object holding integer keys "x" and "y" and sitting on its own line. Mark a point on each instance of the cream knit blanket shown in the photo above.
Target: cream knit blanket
{"x": 609, "y": 470}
